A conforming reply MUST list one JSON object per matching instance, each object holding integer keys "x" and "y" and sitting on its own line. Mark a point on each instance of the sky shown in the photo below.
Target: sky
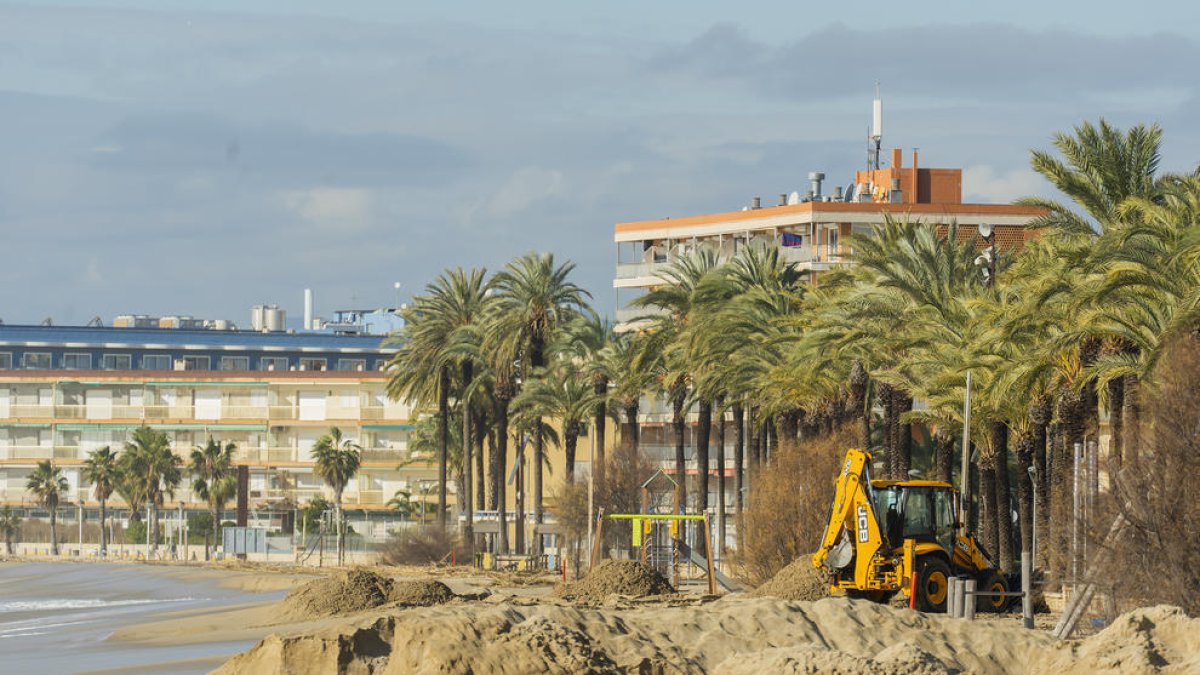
{"x": 199, "y": 157}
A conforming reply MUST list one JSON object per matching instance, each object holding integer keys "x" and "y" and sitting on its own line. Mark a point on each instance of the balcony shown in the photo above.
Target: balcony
{"x": 40, "y": 452}
{"x": 279, "y": 454}
{"x": 281, "y": 413}
{"x": 637, "y": 270}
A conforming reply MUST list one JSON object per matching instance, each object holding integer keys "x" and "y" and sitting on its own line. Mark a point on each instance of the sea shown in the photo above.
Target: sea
{"x": 58, "y": 617}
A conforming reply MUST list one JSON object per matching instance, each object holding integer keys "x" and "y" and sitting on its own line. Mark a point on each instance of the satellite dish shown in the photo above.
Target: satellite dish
{"x": 849, "y": 196}
{"x": 794, "y": 198}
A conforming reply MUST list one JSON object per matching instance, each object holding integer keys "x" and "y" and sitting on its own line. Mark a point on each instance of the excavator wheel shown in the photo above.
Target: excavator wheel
{"x": 993, "y": 582}
{"x": 933, "y": 583}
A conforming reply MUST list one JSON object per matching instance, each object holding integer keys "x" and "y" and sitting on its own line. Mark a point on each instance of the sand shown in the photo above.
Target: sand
{"x": 732, "y": 636}
{"x": 798, "y": 581}
{"x": 616, "y": 577}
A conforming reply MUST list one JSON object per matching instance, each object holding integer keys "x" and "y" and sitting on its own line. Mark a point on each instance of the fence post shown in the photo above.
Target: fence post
{"x": 952, "y": 597}
{"x": 969, "y": 601}
{"x": 1027, "y": 588}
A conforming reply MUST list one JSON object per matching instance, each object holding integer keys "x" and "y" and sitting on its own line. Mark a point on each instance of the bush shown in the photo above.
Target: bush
{"x": 789, "y": 503}
{"x": 1157, "y": 559}
{"x": 620, "y": 492}
{"x": 200, "y": 525}
{"x": 135, "y": 533}
{"x": 423, "y": 545}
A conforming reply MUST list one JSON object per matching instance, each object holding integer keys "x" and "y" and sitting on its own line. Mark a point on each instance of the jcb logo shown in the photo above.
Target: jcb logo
{"x": 863, "y": 533}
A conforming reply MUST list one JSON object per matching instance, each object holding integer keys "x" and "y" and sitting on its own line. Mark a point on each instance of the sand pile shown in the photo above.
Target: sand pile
{"x": 798, "y": 581}
{"x": 356, "y": 591}
{"x": 616, "y": 577}
{"x": 1146, "y": 640}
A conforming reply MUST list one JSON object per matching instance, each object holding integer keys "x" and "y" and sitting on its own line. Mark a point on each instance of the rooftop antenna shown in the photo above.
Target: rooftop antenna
{"x": 876, "y": 130}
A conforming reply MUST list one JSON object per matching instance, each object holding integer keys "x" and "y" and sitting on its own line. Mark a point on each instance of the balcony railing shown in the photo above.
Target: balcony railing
{"x": 188, "y": 412}
{"x": 635, "y": 270}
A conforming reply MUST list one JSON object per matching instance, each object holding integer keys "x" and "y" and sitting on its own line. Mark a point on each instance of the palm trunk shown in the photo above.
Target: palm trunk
{"x": 539, "y": 449}
{"x": 703, "y": 435}
{"x": 1039, "y": 420}
{"x": 599, "y": 424}
{"x": 480, "y": 433}
{"x": 337, "y": 525}
{"x": 1131, "y": 416}
{"x": 103, "y": 529}
{"x": 493, "y": 494}
{"x": 630, "y": 433}
{"x": 214, "y": 511}
{"x": 467, "y": 485}
{"x": 739, "y": 457}
{"x": 944, "y": 455}
{"x": 1003, "y": 513}
{"x": 1070, "y": 431}
{"x": 721, "y": 477}
{"x": 54, "y": 530}
{"x": 903, "y": 456}
{"x": 1116, "y": 408}
{"x": 679, "y": 426}
{"x": 770, "y": 439}
{"x": 499, "y": 460}
{"x": 153, "y": 524}
{"x": 1024, "y": 444}
{"x": 888, "y": 428}
{"x": 988, "y": 530}
{"x": 443, "y": 441}
{"x": 570, "y": 440}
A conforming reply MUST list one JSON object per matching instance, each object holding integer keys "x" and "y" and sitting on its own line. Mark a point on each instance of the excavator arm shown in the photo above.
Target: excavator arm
{"x": 853, "y": 526}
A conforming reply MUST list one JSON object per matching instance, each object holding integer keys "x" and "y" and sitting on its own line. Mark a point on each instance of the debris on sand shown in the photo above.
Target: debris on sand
{"x": 798, "y": 581}
{"x": 616, "y": 577}
{"x": 421, "y": 593}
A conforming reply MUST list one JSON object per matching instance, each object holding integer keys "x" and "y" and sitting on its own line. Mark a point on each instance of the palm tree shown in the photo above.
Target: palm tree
{"x": 336, "y": 462}
{"x": 10, "y": 527}
{"x": 431, "y": 354}
{"x": 533, "y": 299}
{"x": 214, "y": 479}
{"x": 48, "y": 484}
{"x": 102, "y": 471}
{"x": 561, "y": 394}
{"x": 153, "y": 469}
{"x": 401, "y": 502}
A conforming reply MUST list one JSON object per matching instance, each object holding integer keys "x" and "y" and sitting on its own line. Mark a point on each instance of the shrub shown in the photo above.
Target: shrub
{"x": 135, "y": 533}
{"x": 1157, "y": 558}
{"x": 422, "y": 545}
{"x": 789, "y": 503}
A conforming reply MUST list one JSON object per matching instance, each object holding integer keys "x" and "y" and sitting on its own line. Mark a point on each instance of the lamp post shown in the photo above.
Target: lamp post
{"x": 397, "y": 287}
{"x": 987, "y": 259}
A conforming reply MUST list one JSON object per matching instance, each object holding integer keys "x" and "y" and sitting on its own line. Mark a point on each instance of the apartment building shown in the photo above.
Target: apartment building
{"x": 65, "y": 391}
{"x": 812, "y": 231}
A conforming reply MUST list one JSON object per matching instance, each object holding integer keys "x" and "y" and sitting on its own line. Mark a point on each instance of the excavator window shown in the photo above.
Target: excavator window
{"x": 918, "y": 514}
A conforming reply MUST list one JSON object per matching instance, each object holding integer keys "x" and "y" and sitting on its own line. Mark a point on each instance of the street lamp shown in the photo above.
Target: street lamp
{"x": 987, "y": 260}
{"x": 397, "y": 287}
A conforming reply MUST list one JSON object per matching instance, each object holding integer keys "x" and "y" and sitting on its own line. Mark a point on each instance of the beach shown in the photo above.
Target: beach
{"x": 95, "y": 617}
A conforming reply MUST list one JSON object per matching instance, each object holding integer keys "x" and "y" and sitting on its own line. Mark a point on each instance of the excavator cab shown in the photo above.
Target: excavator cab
{"x": 886, "y": 537}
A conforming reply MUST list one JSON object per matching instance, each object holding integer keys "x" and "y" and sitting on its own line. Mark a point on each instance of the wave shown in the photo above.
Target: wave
{"x": 49, "y": 604}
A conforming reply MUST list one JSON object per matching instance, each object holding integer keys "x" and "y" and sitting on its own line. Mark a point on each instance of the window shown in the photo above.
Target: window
{"x": 312, "y": 364}
{"x": 5, "y": 360}
{"x": 116, "y": 362}
{"x": 35, "y": 360}
{"x": 196, "y": 362}
{"x": 156, "y": 362}
{"x": 352, "y": 364}
{"x": 273, "y": 363}
{"x": 833, "y": 242}
{"x": 234, "y": 363}
{"x": 381, "y": 365}
{"x": 77, "y": 361}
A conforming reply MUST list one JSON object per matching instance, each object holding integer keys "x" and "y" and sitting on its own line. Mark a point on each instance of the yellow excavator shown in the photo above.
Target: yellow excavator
{"x": 886, "y": 537}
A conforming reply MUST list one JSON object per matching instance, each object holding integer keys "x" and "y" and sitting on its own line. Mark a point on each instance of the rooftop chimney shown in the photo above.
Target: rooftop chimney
{"x": 816, "y": 177}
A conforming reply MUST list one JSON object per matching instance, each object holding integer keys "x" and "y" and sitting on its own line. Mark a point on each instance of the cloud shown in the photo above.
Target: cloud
{"x": 983, "y": 184}
{"x": 524, "y": 188}
{"x": 332, "y": 207}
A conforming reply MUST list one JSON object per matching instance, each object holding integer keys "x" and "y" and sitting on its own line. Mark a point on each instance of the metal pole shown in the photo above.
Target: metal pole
{"x": 1026, "y": 588}
{"x": 81, "y": 526}
{"x": 1074, "y": 524}
{"x": 965, "y": 469}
